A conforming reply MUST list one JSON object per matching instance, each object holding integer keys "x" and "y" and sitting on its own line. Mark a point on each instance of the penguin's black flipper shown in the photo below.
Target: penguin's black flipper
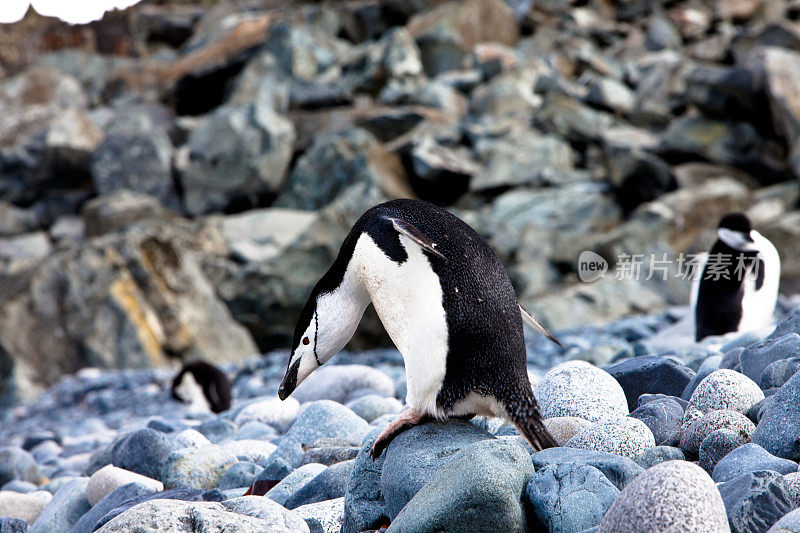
{"x": 414, "y": 233}
{"x": 536, "y": 325}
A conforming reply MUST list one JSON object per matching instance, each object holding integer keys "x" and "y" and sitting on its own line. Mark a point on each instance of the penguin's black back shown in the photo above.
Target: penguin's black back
{"x": 486, "y": 345}
{"x": 215, "y": 384}
{"x": 719, "y": 301}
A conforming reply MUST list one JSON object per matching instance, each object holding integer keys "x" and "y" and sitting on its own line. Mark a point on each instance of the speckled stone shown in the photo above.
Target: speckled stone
{"x": 563, "y": 428}
{"x": 249, "y": 449}
{"x": 26, "y": 507}
{"x": 627, "y": 437}
{"x": 323, "y": 517}
{"x": 199, "y": 468}
{"x": 716, "y": 446}
{"x": 793, "y": 486}
{"x": 724, "y": 389}
{"x": 578, "y": 388}
{"x": 675, "y": 496}
{"x": 658, "y": 454}
{"x": 701, "y": 428}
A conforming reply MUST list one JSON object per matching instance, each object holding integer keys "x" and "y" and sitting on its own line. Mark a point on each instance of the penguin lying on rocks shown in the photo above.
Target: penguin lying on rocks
{"x": 449, "y": 307}
{"x": 738, "y": 287}
{"x": 203, "y": 386}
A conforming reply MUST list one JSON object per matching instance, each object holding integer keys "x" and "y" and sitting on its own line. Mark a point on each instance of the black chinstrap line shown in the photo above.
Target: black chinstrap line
{"x": 316, "y": 336}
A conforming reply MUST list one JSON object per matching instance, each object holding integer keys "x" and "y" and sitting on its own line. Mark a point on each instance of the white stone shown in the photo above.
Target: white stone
{"x": 275, "y": 412}
{"x": 578, "y": 388}
{"x": 108, "y": 478}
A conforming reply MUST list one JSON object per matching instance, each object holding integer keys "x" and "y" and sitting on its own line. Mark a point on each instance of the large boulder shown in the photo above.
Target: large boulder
{"x": 778, "y": 431}
{"x": 653, "y": 375}
{"x": 755, "y": 500}
{"x": 757, "y": 357}
{"x": 480, "y": 489}
{"x": 416, "y": 455}
{"x": 364, "y": 506}
{"x": 124, "y": 300}
{"x": 750, "y": 458}
{"x": 674, "y": 496}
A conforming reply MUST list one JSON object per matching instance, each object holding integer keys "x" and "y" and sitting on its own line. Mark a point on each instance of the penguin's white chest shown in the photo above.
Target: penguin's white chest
{"x": 408, "y": 300}
{"x": 192, "y": 393}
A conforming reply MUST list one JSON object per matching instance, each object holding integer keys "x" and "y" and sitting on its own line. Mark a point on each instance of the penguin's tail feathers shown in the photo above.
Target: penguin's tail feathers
{"x": 528, "y": 420}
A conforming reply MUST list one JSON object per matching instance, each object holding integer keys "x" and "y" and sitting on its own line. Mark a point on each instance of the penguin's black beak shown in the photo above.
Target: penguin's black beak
{"x": 289, "y": 382}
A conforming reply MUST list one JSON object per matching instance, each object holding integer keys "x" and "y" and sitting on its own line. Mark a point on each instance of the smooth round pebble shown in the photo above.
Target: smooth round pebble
{"x": 701, "y": 428}
{"x": 191, "y": 438}
{"x": 372, "y": 406}
{"x": 717, "y": 445}
{"x": 627, "y": 437}
{"x": 199, "y": 468}
{"x": 26, "y": 507}
{"x": 108, "y": 478}
{"x": 254, "y": 451}
{"x": 725, "y": 389}
{"x": 578, "y": 388}
{"x": 275, "y": 412}
{"x": 675, "y": 496}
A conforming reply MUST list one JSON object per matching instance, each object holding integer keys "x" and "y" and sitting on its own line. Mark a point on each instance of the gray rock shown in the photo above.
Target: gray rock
{"x": 329, "y": 452}
{"x": 626, "y": 436}
{"x": 489, "y": 474}
{"x": 658, "y": 454}
{"x": 263, "y": 234}
{"x": 242, "y": 474}
{"x": 15, "y": 220}
{"x": 415, "y": 456}
{"x": 329, "y": 484}
{"x": 339, "y": 382}
{"x": 17, "y": 485}
{"x": 118, "y": 209}
{"x": 183, "y": 495}
{"x": 108, "y": 478}
{"x": 717, "y": 445}
{"x": 619, "y": 470}
{"x": 114, "y": 499}
{"x": 758, "y": 356}
{"x": 569, "y": 497}
{"x": 724, "y": 389}
{"x": 277, "y": 517}
{"x": 69, "y": 503}
{"x": 779, "y": 372}
{"x": 664, "y": 418}
{"x": 275, "y": 469}
{"x": 27, "y": 507}
{"x": 218, "y": 429}
{"x": 697, "y": 431}
{"x": 563, "y": 428}
{"x": 675, "y": 495}
{"x": 323, "y": 517}
{"x": 577, "y": 388}
{"x": 755, "y": 501}
{"x": 780, "y": 75}
{"x": 320, "y": 419}
{"x": 16, "y": 463}
{"x": 778, "y": 432}
{"x": 364, "y": 506}
{"x": 173, "y": 516}
{"x": 790, "y": 324}
{"x": 570, "y": 119}
{"x": 200, "y": 468}
{"x": 136, "y": 154}
{"x": 293, "y": 482}
{"x": 790, "y": 523}
{"x": 648, "y": 374}
{"x": 145, "y": 452}
{"x": 372, "y": 406}
{"x": 750, "y": 458}
{"x": 238, "y": 151}
{"x": 344, "y": 159}
{"x": 662, "y": 34}
{"x": 12, "y": 525}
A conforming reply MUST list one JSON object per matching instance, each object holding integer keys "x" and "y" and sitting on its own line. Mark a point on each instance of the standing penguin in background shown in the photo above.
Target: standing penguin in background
{"x": 448, "y": 305}
{"x": 203, "y": 386}
{"x": 738, "y": 287}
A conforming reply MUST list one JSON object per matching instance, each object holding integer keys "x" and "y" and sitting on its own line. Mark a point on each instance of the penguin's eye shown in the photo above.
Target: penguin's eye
{"x": 306, "y": 341}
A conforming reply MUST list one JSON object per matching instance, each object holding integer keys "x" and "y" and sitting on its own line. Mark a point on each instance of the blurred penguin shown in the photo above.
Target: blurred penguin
{"x": 203, "y": 386}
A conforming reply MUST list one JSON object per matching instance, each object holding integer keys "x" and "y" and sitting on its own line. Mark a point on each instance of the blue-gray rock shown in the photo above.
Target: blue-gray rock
{"x": 755, "y": 501}
{"x": 717, "y": 445}
{"x": 664, "y": 418}
{"x": 491, "y": 475}
{"x": 17, "y": 485}
{"x": 650, "y": 374}
{"x": 200, "y": 468}
{"x": 647, "y": 398}
{"x": 340, "y": 382}
{"x": 12, "y": 525}
{"x": 790, "y": 523}
{"x": 702, "y": 373}
{"x": 779, "y": 372}
{"x": 757, "y": 411}
{"x": 750, "y": 458}
{"x": 16, "y": 463}
{"x": 323, "y": 517}
{"x": 696, "y": 432}
{"x": 144, "y": 451}
{"x": 364, "y": 507}
{"x": 569, "y": 497}
{"x": 278, "y": 518}
{"x": 778, "y": 431}
{"x": 293, "y": 482}
{"x": 187, "y": 495}
{"x": 218, "y": 429}
{"x": 242, "y": 474}
{"x": 671, "y": 496}
{"x": 789, "y": 324}
{"x": 619, "y": 470}
{"x": 112, "y": 500}
{"x": 658, "y": 454}
{"x": 758, "y": 356}
{"x": 69, "y": 503}
{"x": 731, "y": 358}
{"x": 256, "y": 430}
{"x": 416, "y": 455}
{"x": 320, "y": 419}
{"x": 329, "y": 452}
{"x": 371, "y": 406}
{"x": 275, "y": 469}
{"x": 329, "y": 484}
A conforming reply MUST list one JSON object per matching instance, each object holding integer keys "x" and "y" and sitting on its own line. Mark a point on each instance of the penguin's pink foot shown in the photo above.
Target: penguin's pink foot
{"x": 405, "y": 420}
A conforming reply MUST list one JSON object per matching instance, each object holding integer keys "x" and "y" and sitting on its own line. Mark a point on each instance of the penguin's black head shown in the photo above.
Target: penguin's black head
{"x": 736, "y": 222}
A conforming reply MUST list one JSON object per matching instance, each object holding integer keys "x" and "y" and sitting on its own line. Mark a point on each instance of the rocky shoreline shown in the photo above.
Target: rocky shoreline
{"x": 698, "y": 439}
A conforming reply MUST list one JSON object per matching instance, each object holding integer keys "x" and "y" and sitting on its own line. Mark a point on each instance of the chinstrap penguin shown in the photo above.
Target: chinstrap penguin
{"x": 448, "y": 305}
{"x": 203, "y": 386}
{"x": 738, "y": 287}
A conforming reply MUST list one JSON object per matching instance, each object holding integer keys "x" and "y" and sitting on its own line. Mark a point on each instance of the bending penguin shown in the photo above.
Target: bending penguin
{"x": 203, "y": 386}
{"x": 738, "y": 287}
{"x": 448, "y": 305}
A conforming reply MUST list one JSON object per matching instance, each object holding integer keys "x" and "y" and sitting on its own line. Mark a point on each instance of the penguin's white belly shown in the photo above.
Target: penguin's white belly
{"x": 408, "y": 300}
{"x": 192, "y": 393}
{"x": 758, "y": 306}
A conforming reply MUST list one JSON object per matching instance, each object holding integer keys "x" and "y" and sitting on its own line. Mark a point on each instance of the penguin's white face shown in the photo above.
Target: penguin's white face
{"x": 744, "y": 242}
